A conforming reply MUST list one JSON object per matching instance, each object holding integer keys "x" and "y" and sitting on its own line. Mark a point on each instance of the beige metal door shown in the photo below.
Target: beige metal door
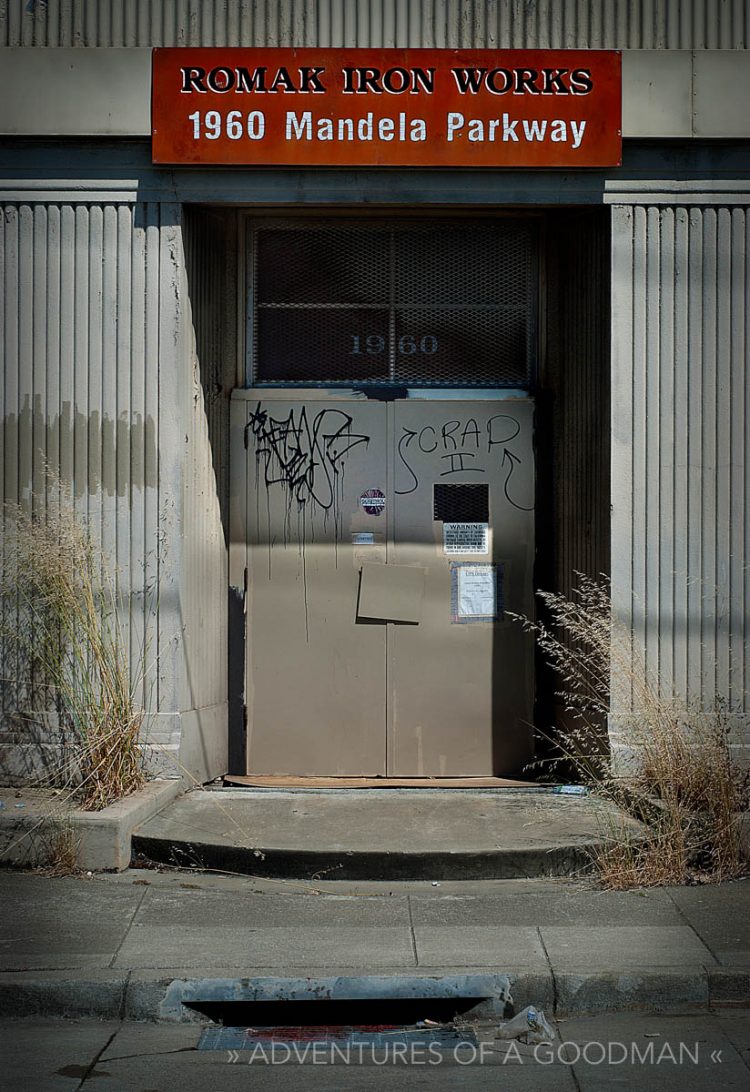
{"x": 461, "y": 682}
{"x": 315, "y": 676}
{"x": 385, "y": 543}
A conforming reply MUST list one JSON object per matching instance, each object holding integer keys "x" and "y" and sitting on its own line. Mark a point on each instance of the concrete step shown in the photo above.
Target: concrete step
{"x": 389, "y": 834}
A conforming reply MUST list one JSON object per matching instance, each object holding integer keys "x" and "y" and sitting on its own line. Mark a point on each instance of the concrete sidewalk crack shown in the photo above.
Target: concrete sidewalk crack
{"x": 551, "y": 969}
{"x": 150, "y": 1054}
{"x": 411, "y": 932}
{"x": 124, "y": 998}
{"x": 574, "y": 1075}
{"x": 691, "y": 927}
{"x": 92, "y": 1064}
{"x": 126, "y": 934}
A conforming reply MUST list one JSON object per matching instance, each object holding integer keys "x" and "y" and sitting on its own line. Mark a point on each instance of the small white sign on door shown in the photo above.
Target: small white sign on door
{"x": 466, "y": 538}
{"x": 477, "y": 591}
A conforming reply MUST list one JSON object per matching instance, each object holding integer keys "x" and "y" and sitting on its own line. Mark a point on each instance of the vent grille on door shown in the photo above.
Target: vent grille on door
{"x": 440, "y": 304}
{"x": 461, "y": 503}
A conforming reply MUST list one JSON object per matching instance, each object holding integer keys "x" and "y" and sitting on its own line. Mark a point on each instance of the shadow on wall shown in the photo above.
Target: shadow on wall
{"x": 92, "y": 451}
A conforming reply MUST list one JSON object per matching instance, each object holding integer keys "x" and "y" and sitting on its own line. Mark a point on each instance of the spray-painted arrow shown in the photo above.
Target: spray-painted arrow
{"x": 513, "y": 461}
{"x": 406, "y": 439}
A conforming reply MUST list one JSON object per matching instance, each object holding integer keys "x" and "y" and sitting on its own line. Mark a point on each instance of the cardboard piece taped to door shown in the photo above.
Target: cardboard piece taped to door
{"x": 391, "y": 593}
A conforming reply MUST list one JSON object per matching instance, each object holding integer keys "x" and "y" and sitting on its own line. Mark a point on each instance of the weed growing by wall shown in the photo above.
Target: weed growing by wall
{"x": 66, "y": 670}
{"x": 682, "y": 780}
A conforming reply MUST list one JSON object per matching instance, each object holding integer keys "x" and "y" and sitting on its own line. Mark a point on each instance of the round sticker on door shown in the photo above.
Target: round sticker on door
{"x": 373, "y": 501}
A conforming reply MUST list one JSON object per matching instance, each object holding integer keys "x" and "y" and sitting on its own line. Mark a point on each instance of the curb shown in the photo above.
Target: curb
{"x": 158, "y": 995}
{"x": 541, "y": 862}
{"x": 102, "y": 838}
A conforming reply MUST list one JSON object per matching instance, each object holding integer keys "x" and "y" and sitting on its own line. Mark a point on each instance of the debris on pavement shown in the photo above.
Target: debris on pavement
{"x": 530, "y": 1025}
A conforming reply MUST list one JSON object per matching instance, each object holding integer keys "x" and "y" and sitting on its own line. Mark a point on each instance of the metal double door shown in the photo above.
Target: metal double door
{"x": 385, "y": 546}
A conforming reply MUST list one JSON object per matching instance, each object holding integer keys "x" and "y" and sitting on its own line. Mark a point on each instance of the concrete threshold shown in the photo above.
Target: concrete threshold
{"x": 388, "y": 834}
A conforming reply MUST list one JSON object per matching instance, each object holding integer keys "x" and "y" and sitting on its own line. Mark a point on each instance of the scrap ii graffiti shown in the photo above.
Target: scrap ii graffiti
{"x": 305, "y": 455}
{"x": 458, "y": 445}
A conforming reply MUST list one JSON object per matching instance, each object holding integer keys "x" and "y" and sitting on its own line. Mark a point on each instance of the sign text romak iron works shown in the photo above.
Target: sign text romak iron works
{"x": 387, "y": 107}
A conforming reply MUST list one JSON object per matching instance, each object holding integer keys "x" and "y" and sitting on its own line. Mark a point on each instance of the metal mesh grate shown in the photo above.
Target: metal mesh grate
{"x": 418, "y": 305}
{"x": 461, "y": 503}
{"x": 320, "y": 266}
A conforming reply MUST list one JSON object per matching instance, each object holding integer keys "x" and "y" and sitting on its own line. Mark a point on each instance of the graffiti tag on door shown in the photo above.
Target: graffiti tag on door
{"x": 461, "y": 447}
{"x": 305, "y": 456}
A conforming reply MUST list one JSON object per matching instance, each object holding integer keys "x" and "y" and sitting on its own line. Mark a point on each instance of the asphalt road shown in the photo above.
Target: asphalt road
{"x": 591, "y": 1054}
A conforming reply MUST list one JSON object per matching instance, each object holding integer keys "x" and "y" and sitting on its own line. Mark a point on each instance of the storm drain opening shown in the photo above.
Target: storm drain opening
{"x": 353, "y": 1012}
{"x": 346, "y": 1014}
{"x": 382, "y": 1023}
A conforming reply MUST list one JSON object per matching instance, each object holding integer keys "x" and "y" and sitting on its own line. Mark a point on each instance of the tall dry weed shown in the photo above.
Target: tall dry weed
{"x": 64, "y": 652}
{"x": 682, "y": 781}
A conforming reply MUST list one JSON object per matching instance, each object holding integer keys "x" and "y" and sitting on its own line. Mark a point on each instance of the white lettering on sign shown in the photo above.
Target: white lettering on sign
{"x": 506, "y": 128}
{"x": 234, "y": 125}
{"x": 466, "y": 538}
{"x": 303, "y": 126}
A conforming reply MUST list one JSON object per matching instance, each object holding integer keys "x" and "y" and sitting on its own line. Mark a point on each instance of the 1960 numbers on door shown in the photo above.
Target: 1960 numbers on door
{"x": 407, "y": 344}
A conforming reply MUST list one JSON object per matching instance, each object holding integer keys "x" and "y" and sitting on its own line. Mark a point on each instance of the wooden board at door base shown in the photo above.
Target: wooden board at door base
{"x": 260, "y": 782}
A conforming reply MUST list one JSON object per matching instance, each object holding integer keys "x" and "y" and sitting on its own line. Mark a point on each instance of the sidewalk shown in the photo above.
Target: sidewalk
{"x": 115, "y": 946}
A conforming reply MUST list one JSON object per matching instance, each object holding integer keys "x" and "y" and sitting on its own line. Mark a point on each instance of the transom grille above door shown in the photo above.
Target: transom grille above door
{"x": 438, "y": 304}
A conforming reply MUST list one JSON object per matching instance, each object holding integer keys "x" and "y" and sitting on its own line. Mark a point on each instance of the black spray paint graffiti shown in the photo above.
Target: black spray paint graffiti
{"x": 306, "y": 457}
{"x": 458, "y": 445}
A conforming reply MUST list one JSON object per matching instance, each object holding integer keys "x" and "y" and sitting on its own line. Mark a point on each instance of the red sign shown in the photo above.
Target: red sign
{"x": 387, "y": 107}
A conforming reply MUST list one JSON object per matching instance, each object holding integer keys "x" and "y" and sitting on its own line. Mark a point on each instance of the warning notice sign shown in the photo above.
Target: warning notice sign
{"x": 466, "y": 538}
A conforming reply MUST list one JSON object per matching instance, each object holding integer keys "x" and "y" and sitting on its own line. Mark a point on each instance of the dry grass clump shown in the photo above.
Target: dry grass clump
{"x": 682, "y": 782}
{"x": 60, "y": 851}
{"x": 63, "y": 652}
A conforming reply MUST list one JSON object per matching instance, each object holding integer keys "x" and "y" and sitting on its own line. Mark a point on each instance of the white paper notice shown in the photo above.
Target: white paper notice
{"x": 477, "y": 591}
{"x": 465, "y": 538}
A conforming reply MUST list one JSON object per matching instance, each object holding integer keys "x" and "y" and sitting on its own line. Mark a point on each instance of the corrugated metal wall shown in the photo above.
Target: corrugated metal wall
{"x": 97, "y": 352}
{"x": 680, "y": 425}
{"x": 79, "y": 314}
{"x": 587, "y": 24}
